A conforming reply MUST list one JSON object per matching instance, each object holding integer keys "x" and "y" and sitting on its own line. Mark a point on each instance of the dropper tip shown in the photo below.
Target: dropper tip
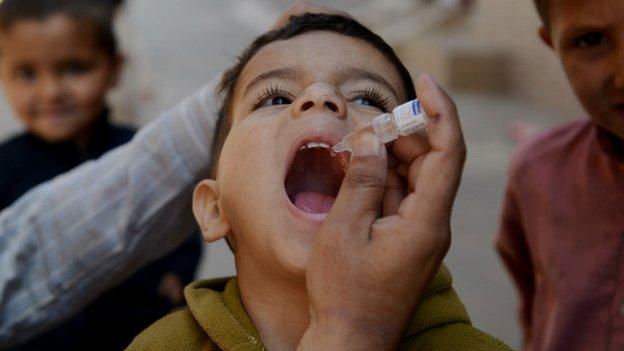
{"x": 340, "y": 147}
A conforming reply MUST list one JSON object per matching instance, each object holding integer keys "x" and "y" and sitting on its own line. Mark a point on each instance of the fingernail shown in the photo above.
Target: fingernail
{"x": 367, "y": 145}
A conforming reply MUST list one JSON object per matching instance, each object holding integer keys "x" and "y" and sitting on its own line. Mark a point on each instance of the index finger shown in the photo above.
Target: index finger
{"x": 361, "y": 193}
{"x": 407, "y": 148}
{"x": 439, "y": 170}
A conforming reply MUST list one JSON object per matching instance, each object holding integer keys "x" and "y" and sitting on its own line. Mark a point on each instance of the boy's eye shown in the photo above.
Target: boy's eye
{"x": 367, "y": 102}
{"x": 589, "y": 40}
{"x": 278, "y": 100}
{"x": 372, "y": 98}
{"x": 272, "y": 96}
{"x": 26, "y": 74}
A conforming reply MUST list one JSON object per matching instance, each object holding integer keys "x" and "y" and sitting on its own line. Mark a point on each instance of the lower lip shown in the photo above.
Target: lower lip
{"x": 313, "y": 218}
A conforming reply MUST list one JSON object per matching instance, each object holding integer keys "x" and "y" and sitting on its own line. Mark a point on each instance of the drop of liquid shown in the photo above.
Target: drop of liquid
{"x": 332, "y": 153}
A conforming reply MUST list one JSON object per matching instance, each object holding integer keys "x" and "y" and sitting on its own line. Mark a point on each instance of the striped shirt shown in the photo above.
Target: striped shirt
{"x": 70, "y": 239}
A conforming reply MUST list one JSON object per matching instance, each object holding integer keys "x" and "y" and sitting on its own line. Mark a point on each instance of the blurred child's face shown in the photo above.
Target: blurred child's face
{"x": 295, "y": 98}
{"x": 588, "y": 36}
{"x": 55, "y": 75}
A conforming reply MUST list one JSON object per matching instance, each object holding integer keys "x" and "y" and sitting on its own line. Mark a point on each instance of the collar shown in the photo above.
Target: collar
{"x": 217, "y": 307}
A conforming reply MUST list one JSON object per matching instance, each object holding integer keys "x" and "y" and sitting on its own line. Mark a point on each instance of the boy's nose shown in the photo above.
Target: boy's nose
{"x": 50, "y": 88}
{"x": 320, "y": 97}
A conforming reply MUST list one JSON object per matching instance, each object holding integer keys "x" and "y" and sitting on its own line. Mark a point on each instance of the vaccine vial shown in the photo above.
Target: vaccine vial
{"x": 405, "y": 119}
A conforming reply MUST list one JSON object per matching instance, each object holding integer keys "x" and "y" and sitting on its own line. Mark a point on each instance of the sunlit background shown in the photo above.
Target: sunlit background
{"x": 485, "y": 52}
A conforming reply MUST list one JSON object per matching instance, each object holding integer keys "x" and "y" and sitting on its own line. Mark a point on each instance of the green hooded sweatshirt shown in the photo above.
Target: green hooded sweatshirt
{"x": 215, "y": 319}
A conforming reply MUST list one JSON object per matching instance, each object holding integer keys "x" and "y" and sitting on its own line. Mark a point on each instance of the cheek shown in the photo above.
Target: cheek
{"x": 588, "y": 79}
{"x": 240, "y": 154}
{"x": 21, "y": 98}
{"x": 244, "y": 165}
{"x": 89, "y": 91}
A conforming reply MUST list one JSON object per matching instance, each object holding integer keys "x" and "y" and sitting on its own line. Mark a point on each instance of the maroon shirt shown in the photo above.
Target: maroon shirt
{"x": 562, "y": 238}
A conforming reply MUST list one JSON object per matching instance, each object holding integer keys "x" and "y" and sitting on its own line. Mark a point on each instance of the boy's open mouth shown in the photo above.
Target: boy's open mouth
{"x": 314, "y": 178}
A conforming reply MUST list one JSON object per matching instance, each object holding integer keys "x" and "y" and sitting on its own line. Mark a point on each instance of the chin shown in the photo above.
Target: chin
{"x": 56, "y": 136}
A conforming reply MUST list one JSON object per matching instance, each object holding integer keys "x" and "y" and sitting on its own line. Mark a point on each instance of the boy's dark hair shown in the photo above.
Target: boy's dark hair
{"x": 543, "y": 11}
{"x": 99, "y": 13}
{"x": 296, "y": 26}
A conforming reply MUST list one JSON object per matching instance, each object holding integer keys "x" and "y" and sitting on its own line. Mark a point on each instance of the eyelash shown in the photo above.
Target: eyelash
{"x": 275, "y": 91}
{"x": 269, "y": 93}
{"x": 373, "y": 94}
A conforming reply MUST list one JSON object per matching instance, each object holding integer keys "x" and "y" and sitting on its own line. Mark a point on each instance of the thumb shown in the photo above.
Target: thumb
{"x": 361, "y": 194}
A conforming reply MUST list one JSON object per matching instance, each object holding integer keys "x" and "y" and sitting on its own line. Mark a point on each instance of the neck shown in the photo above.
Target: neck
{"x": 278, "y": 308}
{"x": 86, "y": 136}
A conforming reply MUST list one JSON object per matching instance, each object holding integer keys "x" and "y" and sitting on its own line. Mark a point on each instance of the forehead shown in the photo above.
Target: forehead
{"x": 319, "y": 56}
{"x": 55, "y": 36}
{"x": 594, "y": 13}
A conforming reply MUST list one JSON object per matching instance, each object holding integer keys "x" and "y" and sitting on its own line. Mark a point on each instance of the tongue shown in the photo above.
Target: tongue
{"x": 314, "y": 202}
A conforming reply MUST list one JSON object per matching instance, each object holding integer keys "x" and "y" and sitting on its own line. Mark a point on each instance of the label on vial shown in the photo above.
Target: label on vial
{"x": 410, "y": 117}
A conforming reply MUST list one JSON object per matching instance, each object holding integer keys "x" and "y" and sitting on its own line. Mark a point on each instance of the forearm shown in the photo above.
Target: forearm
{"x": 68, "y": 240}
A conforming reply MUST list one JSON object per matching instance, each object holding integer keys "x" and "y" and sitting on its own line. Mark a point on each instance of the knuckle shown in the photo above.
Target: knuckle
{"x": 364, "y": 179}
{"x": 364, "y": 173}
{"x": 448, "y": 108}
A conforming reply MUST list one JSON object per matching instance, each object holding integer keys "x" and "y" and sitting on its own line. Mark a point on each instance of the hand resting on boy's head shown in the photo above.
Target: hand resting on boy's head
{"x": 367, "y": 267}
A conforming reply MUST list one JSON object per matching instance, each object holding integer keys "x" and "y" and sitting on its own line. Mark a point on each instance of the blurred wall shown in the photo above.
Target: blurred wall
{"x": 495, "y": 49}
{"x": 537, "y": 75}
{"x": 8, "y": 123}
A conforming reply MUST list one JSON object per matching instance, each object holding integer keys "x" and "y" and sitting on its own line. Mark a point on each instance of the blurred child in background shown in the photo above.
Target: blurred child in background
{"x": 58, "y": 61}
{"x": 562, "y": 232}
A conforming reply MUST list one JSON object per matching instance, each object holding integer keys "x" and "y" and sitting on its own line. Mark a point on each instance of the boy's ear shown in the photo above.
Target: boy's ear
{"x": 212, "y": 221}
{"x": 544, "y": 34}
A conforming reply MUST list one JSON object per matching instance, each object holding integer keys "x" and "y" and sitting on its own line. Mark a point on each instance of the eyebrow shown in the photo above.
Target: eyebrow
{"x": 280, "y": 73}
{"x": 353, "y": 73}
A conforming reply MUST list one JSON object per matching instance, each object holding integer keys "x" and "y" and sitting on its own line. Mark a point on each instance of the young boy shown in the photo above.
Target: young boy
{"x": 562, "y": 232}
{"x": 295, "y": 92}
{"x": 58, "y": 61}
